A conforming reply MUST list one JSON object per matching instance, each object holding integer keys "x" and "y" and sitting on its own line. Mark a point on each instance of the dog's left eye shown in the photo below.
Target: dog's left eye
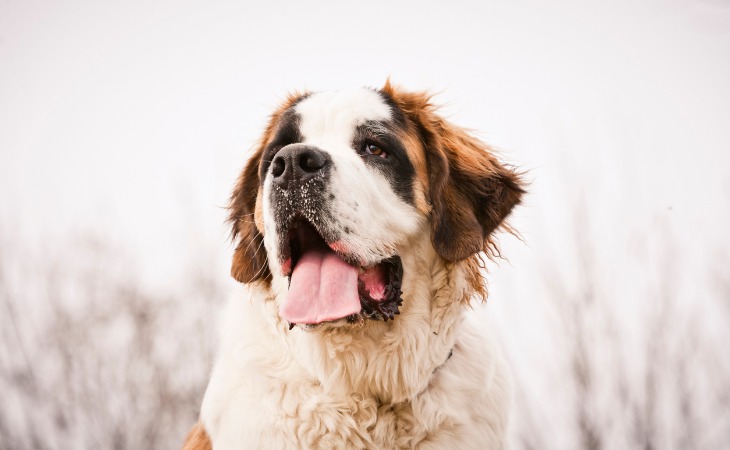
{"x": 372, "y": 149}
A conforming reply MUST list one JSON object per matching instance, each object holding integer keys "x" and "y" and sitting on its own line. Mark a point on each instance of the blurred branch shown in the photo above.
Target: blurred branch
{"x": 632, "y": 388}
{"x": 103, "y": 370}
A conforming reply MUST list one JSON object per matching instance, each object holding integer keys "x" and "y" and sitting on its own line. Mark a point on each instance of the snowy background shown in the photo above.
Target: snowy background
{"x": 123, "y": 126}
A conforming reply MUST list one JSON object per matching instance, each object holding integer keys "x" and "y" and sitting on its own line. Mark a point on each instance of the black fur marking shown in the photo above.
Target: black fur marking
{"x": 287, "y": 132}
{"x": 395, "y": 112}
{"x": 396, "y": 166}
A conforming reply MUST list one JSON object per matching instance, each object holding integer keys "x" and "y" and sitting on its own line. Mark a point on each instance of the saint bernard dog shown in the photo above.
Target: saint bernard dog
{"x": 361, "y": 221}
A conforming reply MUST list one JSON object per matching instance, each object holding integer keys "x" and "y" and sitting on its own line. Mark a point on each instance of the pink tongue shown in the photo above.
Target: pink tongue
{"x": 323, "y": 287}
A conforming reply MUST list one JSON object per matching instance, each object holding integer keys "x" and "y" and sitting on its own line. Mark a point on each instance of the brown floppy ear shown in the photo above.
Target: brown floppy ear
{"x": 249, "y": 258}
{"x": 250, "y": 262}
{"x": 471, "y": 192}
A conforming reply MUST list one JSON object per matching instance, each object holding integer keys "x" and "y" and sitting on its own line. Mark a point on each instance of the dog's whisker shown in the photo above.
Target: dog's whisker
{"x": 265, "y": 264}
{"x": 262, "y": 269}
{"x": 258, "y": 247}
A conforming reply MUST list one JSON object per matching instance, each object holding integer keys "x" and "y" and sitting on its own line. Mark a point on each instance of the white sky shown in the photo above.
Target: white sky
{"x": 132, "y": 120}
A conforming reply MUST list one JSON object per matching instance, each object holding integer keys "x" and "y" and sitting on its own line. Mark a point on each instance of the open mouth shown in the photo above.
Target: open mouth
{"x": 326, "y": 285}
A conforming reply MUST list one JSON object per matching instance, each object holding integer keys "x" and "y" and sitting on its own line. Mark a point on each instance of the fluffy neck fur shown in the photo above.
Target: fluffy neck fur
{"x": 408, "y": 349}
{"x": 356, "y": 387}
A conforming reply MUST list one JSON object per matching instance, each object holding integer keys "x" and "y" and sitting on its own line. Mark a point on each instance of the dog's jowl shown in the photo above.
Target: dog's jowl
{"x": 360, "y": 222}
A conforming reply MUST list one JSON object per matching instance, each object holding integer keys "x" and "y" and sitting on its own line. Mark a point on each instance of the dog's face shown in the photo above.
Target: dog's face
{"x": 343, "y": 184}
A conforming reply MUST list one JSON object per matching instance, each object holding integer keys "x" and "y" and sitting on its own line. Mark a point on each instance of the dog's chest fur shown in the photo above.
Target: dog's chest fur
{"x": 310, "y": 418}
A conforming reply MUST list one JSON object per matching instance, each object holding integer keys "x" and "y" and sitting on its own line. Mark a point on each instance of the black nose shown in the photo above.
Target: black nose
{"x": 297, "y": 163}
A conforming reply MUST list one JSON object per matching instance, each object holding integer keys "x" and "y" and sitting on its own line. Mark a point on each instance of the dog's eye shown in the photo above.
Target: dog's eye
{"x": 372, "y": 149}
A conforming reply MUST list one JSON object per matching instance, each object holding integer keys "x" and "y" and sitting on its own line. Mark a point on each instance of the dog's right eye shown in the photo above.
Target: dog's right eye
{"x": 372, "y": 149}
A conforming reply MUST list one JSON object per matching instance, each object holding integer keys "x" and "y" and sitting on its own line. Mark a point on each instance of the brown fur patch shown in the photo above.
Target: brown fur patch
{"x": 414, "y": 148}
{"x": 471, "y": 193}
{"x": 250, "y": 261}
{"x": 197, "y": 439}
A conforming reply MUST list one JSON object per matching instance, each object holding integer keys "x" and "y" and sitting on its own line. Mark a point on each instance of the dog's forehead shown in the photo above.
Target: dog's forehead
{"x": 335, "y": 115}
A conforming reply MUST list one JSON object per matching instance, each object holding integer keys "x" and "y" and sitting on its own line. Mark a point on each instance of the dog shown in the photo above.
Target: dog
{"x": 360, "y": 225}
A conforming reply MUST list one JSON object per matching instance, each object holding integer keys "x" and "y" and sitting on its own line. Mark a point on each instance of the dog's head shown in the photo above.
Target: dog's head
{"x": 343, "y": 183}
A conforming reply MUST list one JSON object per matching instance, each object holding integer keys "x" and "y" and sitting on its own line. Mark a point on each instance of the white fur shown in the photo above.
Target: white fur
{"x": 380, "y": 385}
{"x": 280, "y": 389}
